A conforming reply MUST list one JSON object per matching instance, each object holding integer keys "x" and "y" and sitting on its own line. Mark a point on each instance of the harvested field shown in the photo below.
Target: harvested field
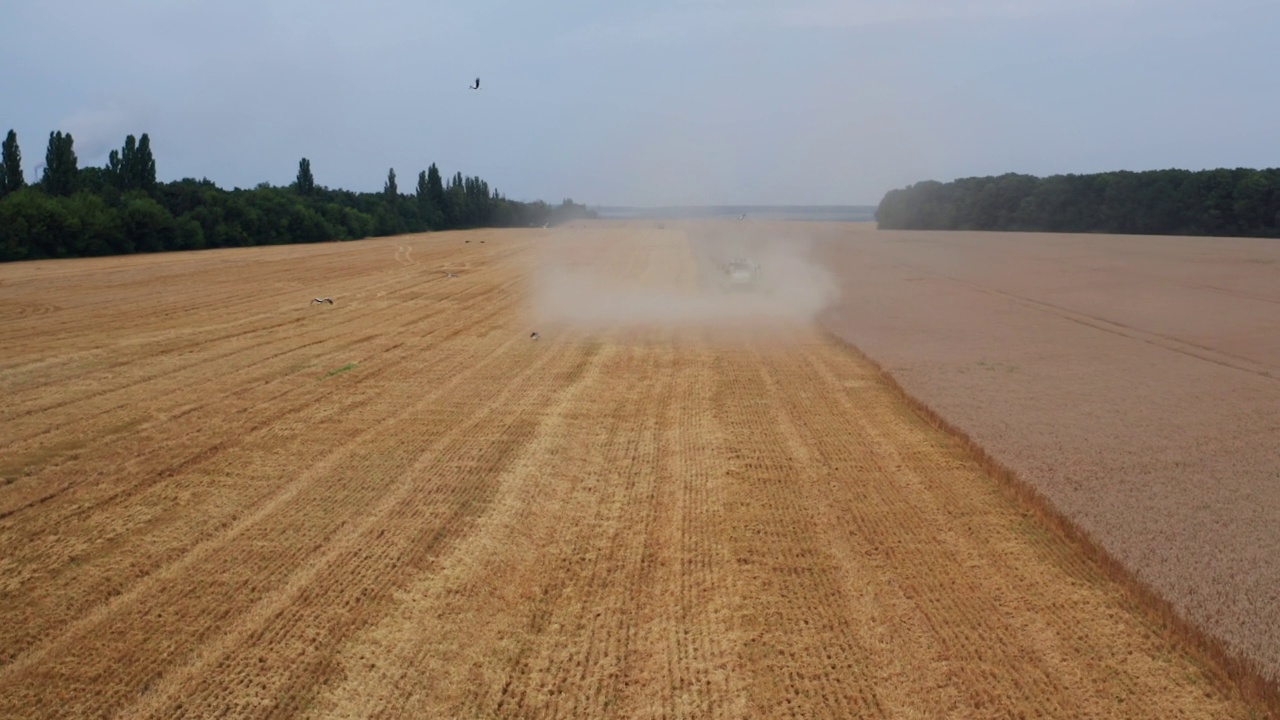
{"x": 1134, "y": 382}
{"x": 221, "y": 499}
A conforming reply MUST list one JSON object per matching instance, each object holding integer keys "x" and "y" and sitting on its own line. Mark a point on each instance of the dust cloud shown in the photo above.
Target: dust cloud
{"x": 614, "y": 274}
{"x": 608, "y": 275}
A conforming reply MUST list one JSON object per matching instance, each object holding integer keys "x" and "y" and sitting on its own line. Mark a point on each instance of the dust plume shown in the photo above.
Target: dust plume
{"x": 584, "y": 276}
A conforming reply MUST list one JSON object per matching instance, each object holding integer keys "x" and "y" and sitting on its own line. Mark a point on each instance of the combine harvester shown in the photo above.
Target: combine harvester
{"x": 741, "y": 275}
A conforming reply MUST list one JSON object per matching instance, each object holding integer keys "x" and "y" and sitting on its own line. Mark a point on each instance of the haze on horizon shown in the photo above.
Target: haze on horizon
{"x": 676, "y": 102}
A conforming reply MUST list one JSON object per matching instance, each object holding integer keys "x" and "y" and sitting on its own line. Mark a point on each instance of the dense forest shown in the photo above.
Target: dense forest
{"x": 121, "y": 208}
{"x": 1240, "y": 202}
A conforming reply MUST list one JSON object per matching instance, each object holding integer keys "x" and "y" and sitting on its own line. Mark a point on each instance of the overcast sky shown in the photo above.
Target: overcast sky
{"x": 648, "y": 103}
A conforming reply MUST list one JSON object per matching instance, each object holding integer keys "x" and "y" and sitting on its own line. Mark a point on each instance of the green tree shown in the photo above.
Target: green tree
{"x": 435, "y": 198}
{"x": 420, "y": 192}
{"x": 1253, "y": 203}
{"x": 60, "y": 173}
{"x": 1224, "y": 201}
{"x": 95, "y": 180}
{"x": 144, "y": 167}
{"x": 114, "y": 170}
{"x": 38, "y": 225}
{"x": 429, "y": 212}
{"x": 128, "y": 169}
{"x": 11, "y": 179}
{"x": 389, "y": 190}
{"x": 455, "y": 203}
{"x": 133, "y": 167}
{"x": 97, "y": 227}
{"x": 122, "y": 208}
{"x": 306, "y": 182}
{"x": 148, "y": 225}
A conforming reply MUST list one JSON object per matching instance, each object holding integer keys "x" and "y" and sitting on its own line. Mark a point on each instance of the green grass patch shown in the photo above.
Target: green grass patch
{"x": 340, "y": 370}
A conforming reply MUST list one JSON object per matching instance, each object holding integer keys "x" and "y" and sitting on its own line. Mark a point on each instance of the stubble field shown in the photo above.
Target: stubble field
{"x": 219, "y": 499}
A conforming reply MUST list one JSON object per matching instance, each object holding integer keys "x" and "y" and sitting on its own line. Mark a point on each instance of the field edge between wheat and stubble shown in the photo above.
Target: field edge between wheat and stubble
{"x": 1129, "y": 381}
{"x": 1231, "y": 671}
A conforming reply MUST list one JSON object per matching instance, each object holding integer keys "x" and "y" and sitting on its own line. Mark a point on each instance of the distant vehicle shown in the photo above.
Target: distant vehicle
{"x": 741, "y": 274}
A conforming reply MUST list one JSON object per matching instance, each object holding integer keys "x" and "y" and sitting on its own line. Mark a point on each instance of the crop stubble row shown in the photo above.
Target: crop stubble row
{"x": 621, "y": 522}
{"x": 147, "y": 489}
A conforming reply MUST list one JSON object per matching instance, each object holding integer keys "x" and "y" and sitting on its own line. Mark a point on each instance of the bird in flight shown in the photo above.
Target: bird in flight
{"x": 476, "y": 86}
{"x": 448, "y": 274}
{"x": 322, "y": 300}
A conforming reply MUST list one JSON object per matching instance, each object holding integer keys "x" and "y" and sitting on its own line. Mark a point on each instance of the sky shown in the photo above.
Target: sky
{"x": 665, "y": 102}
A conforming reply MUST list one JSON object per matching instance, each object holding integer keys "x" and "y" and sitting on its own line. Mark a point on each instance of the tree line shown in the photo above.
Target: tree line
{"x": 1224, "y": 202}
{"x": 121, "y": 208}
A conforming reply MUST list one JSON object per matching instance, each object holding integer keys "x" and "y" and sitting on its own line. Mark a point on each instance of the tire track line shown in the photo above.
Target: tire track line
{"x": 263, "y": 427}
{"x": 684, "y": 613}
{"x": 420, "y": 659}
{"x": 12, "y": 496}
{"x": 1167, "y": 342}
{"x": 926, "y": 571}
{"x": 640, "y": 562}
{"x": 822, "y": 665}
{"x": 1043, "y": 637}
{"x": 246, "y": 310}
{"x": 252, "y": 385}
{"x": 582, "y": 642}
{"x": 276, "y": 613}
{"x": 203, "y": 549}
{"x": 299, "y": 323}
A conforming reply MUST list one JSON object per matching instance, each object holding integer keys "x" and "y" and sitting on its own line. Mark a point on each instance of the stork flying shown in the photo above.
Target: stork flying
{"x": 476, "y": 86}
{"x": 322, "y": 300}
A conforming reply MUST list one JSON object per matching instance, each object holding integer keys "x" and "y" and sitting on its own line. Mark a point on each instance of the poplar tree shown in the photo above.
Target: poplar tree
{"x": 60, "y": 165}
{"x": 129, "y": 163}
{"x": 11, "y": 179}
{"x": 389, "y": 190}
{"x": 421, "y": 190}
{"x": 306, "y": 182}
{"x": 145, "y": 167}
{"x": 435, "y": 187}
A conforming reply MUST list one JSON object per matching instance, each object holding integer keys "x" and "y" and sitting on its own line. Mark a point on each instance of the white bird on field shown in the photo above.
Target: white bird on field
{"x": 535, "y": 335}
{"x": 448, "y": 274}
{"x": 322, "y": 300}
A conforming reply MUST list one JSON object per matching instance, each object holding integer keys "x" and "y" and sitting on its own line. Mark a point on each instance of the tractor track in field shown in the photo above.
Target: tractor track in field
{"x": 9, "y": 504}
{"x": 327, "y": 342}
{"x": 461, "y": 369}
{"x": 188, "y": 347}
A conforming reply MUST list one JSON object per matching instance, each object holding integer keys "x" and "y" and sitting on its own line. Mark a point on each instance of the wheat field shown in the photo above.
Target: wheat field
{"x": 1133, "y": 382}
{"x": 220, "y": 499}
